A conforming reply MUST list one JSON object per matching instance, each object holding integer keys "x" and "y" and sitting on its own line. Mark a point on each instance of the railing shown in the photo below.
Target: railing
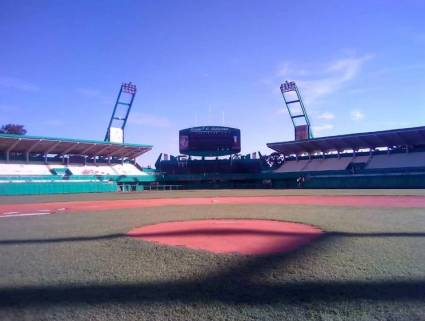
{"x": 164, "y": 187}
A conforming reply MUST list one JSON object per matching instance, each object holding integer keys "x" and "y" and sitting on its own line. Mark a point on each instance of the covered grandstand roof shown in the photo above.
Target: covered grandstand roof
{"x": 65, "y": 146}
{"x": 414, "y": 136}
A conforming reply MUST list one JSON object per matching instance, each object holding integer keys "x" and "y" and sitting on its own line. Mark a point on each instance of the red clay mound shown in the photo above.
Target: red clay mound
{"x": 249, "y": 237}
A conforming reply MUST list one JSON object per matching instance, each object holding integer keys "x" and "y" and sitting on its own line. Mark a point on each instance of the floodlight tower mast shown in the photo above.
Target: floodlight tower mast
{"x": 297, "y": 112}
{"x": 123, "y": 104}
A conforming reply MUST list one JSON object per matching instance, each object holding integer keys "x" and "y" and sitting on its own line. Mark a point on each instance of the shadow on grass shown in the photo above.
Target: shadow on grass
{"x": 237, "y": 284}
{"x": 226, "y": 291}
{"x": 206, "y": 232}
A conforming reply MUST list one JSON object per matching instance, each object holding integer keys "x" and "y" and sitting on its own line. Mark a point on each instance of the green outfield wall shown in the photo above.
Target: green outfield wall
{"x": 56, "y": 187}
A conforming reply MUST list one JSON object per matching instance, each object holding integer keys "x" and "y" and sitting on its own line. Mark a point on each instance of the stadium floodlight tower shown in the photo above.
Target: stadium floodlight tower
{"x": 115, "y": 131}
{"x": 297, "y": 112}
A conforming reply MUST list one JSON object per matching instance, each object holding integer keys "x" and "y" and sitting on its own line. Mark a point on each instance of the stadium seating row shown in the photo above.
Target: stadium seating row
{"x": 402, "y": 160}
{"x": 383, "y": 161}
{"x": 313, "y": 165}
{"x": 22, "y": 169}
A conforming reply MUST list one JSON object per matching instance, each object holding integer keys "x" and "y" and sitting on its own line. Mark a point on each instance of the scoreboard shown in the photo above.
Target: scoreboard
{"x": 209, "y": 141}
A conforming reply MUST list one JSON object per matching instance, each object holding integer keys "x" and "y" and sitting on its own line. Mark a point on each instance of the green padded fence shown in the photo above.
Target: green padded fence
{"x": 58, "y": 187}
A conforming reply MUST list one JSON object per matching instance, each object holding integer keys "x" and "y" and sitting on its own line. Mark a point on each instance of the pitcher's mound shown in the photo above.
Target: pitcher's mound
{"x": 249, "y": 237}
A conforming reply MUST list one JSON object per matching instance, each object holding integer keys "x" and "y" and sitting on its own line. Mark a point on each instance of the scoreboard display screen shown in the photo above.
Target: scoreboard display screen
{"x": 210, "y": 141}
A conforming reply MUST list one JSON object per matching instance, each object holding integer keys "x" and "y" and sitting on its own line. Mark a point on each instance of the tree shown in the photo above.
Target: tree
{"x": 275, "y": 160}
{"x": 13, "y": 129}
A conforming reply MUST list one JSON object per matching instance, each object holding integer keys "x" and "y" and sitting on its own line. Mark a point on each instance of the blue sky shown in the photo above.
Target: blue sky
{"x": 360, "y": 66}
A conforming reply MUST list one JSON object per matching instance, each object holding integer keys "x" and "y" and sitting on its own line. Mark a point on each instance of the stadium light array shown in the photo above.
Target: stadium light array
{"x": 129, "y": 88}
{"x": 288, "y": 86}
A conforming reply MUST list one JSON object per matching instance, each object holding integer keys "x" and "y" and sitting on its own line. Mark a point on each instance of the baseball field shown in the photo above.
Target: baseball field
{"x": 352, "y": 255}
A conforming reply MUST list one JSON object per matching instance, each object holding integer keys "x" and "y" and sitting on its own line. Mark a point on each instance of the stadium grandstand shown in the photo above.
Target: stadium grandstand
{"x": 382, "y": 159}
{"x": 41, "y": 165}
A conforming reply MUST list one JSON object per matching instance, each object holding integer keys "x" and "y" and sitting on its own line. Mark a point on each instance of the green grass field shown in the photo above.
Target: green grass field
{"x": 370, "y": 265}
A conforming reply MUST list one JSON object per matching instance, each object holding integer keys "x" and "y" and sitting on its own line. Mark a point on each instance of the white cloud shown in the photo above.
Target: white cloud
{"x": 335, "y": 75}
{"x": 348, "y": 68}
{"x": 316, "y": 82}
{"x": 88, "y": 92}
{"x": 287, "y": 70}
{"x": 18, "y": 84}
{"x": 322, "y": 128}
{"x": 326, "y": 116}
{"x": 356, "y": 115}
{"x": 149, "y": 120}
{"x": 283, "y": 70}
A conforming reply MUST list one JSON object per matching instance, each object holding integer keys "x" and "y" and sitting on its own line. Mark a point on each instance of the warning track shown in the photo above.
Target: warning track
{"x": 28, "y": 209}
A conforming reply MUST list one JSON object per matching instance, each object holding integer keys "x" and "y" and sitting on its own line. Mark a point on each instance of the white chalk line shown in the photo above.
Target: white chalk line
{"x": 38, "y": 213}
{"x": 26, "y": 214}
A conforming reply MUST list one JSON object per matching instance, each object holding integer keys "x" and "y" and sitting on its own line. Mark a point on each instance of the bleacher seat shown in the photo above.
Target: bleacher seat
{"x": 328, "y": 164}
{"x": 361, "y": 159}
{"x": 91, "y": 170}
{"x": 125, "y": 169}
{"x": 11, "y": 169}
{"x": 314, "y": 165}
{"x": 380, "y": 161}
{"x": 293, "y": 166}
{"x": 402, "y": 160}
